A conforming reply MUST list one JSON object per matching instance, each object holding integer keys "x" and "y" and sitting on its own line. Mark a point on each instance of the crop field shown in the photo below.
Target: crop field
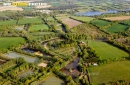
{"x": 100, "y": 23}
{"x": 111, "y": 72}
{"x": 106, "y": 51}
{"x": 39, "y": 27}
{"x": 30, "y": 20}
{"x": 84, "y": 19}
{"x": 10, "y": 22}
{"x": 118, "y": 18}
{"x": 117, "y": 28}
{"x": 10, "y": 41}
{"x": 70, "y": 22}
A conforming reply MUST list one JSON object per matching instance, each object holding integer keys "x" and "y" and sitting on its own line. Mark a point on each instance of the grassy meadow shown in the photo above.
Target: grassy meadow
{"x": 100, "y": 23}
{"x": 84, "y": 19}
{"x": 39, "y": 27}
{"x": 106, "y": 51}
{"x": 117, "y": 28}
{"x": 10, "y": 41}
{"x": 9, "y": 22}
{"x": 111, "y": 72}
{"x": 30, "y": 20}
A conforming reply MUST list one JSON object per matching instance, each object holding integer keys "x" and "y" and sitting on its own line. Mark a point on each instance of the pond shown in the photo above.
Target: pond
{"x": 52, "y": 80}
{"x": 93, "y": 13}
{"x": 32, "y": 51}
{"x": 25, "y": 74}
{"x": 73, "y": 66}
{"x": 17, "y": 55}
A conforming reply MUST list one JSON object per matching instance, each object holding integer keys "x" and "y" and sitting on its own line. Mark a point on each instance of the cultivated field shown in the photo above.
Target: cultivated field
{"x": 84, "y": 19}
{"x": 39, "y": 27}
{"x": 118, "y": 18}
{"x": 100, "y": 23}
{"x": 30, "y": 20}
{"x": 111, "y": 72}
{"x": 117, "y": 28}
{"x": 10, "y": 41}
{"x": 70, "y": 22}
{"x": 106, "y": 51}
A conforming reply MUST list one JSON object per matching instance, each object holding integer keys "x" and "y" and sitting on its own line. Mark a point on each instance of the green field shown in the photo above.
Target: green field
{"x": 30, "y": 20}
{"x": 117, "y": 28}
{"x": 106, "y": 51}
{"x": 9, "y": 22}
{"x": 84, "y": 19}
{"x": 111, "y": 72}
{"x": 9, "y": 41}
{"x": 126, "y": 22}
{"x": 100, "y": 23}
{"x": 50, "y": 19}
{"x": 39, "y": 27}
{"x": 52, "y": 80}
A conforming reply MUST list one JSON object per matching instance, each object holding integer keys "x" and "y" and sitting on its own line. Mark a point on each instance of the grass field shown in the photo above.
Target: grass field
{"x": 30, "y": 20}
{"x": 117, "y": 28}
{"x": 50, "y": 19}
{"x": 84, "y": 19}
{"x": 9, "y": 41}
{"x": 9, "y": 22}
{"x": 39, "y": 27}
{"x": 107, "y": 51}
{"x": 111, "y": 72}
{"x": 126, "y": 22}
{"x": 100, "y": 23}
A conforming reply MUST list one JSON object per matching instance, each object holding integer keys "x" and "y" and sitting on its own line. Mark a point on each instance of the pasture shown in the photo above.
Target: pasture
{"x": 111, "y": 72}
{"x": 30, "y": 20}
{"x": 84, "y": 19}
{"x": 10, "y": 41}
{"x": 119, "y": 18}
{"x": 39, "y": 27}
{"x": 117, "y": 28}
{"x": 107, "y": 51}
{"x": 100, "y": 23}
